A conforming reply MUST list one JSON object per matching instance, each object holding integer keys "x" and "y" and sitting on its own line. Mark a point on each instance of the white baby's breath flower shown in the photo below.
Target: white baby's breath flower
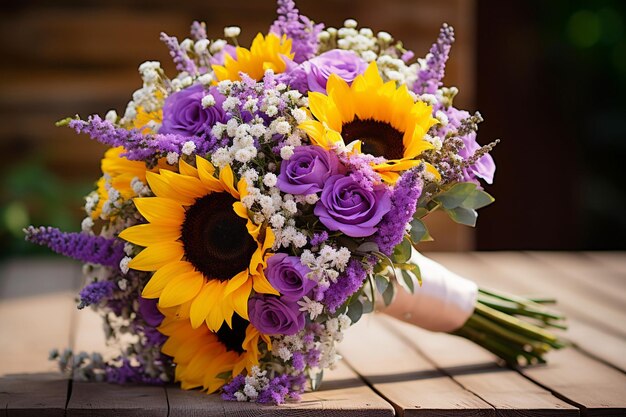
{"x": 286, "y": 152}
{"x": 350, "y": 23}
{"x": 172, "y": 158}
{"x": 111, "y": 116}
{"x": 201, "y": 46}
{"x": 87, "y": 224}
{"x": 369, "y": 56}
{"x": 217, "y": 46}
{"x": 206, "y": 79}
{"x": 232, "y": 31}
{"x": 188, "y": 147}
{"x": 283, "y": 128}
{"x": 208, "y": 101}
{"x": 269, "y": 179}
{"x": 124, "y": 264}
{"x": 311, "y": 198}
{"x": 271, "y": 111}
{"x": 442, "y": 117}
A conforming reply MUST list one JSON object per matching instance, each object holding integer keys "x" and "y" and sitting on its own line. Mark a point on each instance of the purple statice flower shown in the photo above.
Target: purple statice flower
{"x": 149, "y": 312}
{"x": 179, "y": 55}
{"x": 347, "y": 283}
{"x": 184, "y": 114}
{"x": 407, "y": 56}
{"x": 235, "y": 385}
{"x": 274, "y": 315}
{"x": 300, "y": 29}
{"x": 307, "y": 170}
{"x": 404, "y": 198}
{"x": 345, "y": 64}
{"x": 198, "y": 30}
{"x": 294, "y": 77}
{"x": 129, "y": 373}
{"x": 80, "y": 246}
{"x": 319, "y": 238}
{"x": 289, "y": 276}
{"x": 139, "y": 146}
{"x": 282, "y": 387}
{"x": 95, "y": 292}
{"x": 348, "y": 207}
{"x": 430, "y": 75}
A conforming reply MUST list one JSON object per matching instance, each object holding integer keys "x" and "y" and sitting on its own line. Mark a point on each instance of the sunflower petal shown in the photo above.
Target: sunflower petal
{"x": 161, "y": 210}
{"x": 201, "y": 306}
{"x": 159, "y": 280}
{"x": 205, "y": 172}
{"x": 187, "y": 169}
{"x": 162, "y": 188}
{"x": 181, "y": 289}
{"x": 228, "y": 179}
{"x": 236, "y": 282}
{"x": 150, "y": 233}
{"x": 240, "y": 299}
{"x": 156, "y": 256}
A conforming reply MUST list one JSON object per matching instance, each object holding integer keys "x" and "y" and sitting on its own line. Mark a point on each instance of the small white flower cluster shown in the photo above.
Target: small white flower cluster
{"x": 332, "y": 332}
{"x": 256, "y": 381}
{"x": 150, "y": 97}
{"x": 395, "y": 69}
{"x": 327, "y": 265}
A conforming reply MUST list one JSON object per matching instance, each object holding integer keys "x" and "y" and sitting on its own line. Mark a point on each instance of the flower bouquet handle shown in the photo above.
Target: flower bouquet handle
{"x": 511, "y": 327}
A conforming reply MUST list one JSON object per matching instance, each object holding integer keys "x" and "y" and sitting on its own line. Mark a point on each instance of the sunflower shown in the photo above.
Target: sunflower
{"x": 379, "y": 118}
{"x": 206, "y": 359}
{"x": 205, "y": 252}
{"x": 265, "y": 53}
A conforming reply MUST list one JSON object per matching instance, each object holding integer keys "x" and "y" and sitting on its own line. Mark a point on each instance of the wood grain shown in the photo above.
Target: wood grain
{"x": 36, "y": 307}
{"x": 476, "y": 370}
{"x": 403, "y": 376}
{"x": 342, "y": 393}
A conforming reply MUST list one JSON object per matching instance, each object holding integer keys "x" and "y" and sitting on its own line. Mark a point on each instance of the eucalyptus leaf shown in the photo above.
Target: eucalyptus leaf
{"x": 420, "y": 212}
{"x": 455, "y": 196}
{"x": 367, "y": 247}
{"x": 418, "y": 274}
{"x": 355, "y": 311}
{"x": 368, "y": 306}
{"x": 419, "y": 231}
{"x": 405, "y": 266}
{"x": 402, "y": 252}
{"x": 407, "y": 277}
{"x": 478, "y": 199}
{"x": 463, "y": 215}
{"x": 389, "y": 293}
{"x": 381, "y": 283}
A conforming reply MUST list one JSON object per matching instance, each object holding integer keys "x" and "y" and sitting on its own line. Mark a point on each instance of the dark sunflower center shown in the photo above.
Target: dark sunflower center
{"x": 377, "y": 138}
{"x": 233, "y": 338}
{"x": 215, "y": 239}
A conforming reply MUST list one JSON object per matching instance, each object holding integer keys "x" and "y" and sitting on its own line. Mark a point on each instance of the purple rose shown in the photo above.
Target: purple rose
{"x": 307, "y": 170}
{"x": 184, "y": 115}
{"x": 348, "y": 207}
{"x": 483, "y": 168}
{"x": 149, "y": 312}
{"x": 274, "y": 315}
{"x": 346, "y": 64}
{"x": 288, "y": 276}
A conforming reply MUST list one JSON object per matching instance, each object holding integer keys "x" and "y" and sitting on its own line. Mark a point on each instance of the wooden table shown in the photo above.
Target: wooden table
{"x": 390, "y": 368}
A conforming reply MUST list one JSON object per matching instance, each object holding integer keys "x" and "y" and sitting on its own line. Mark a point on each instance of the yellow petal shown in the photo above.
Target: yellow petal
{"x": 162, "y": 188}
{"x": 160, "y": 210}
{"x": 205, "y": 172}
{"x": 236, "y": 282}
{"x": 262, "y": 285}
{"x": 228, "y": 179}
{"x": 187, "y": 169}
{"x": 240, "y": 299}
{"x": 156, "y": 256}
{"x": 181, "y": 289}
{"x": 215, "y": 317}
{"x": 151, "y": 233}
{"x": 190, "y": 187}
{"x": 201, "y": 305}
{"x": 159, "y": 280}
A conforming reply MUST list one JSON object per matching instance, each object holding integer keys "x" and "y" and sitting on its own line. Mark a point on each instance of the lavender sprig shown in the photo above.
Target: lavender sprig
{"x": 179, "y": 55}
{"x": 429, "y": 76}
{"x": 300, "y": 29}
{"x": 80, "y": 246}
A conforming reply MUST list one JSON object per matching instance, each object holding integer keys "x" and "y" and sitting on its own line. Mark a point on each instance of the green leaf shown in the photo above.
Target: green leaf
{"x": 389, "y": 293}
{"x": 463, "y": 215}
{"x": 402, "y": 252}
{"x": 355, "y": 311}
{"x": 419, "y": 231}
{"x": 405, "y": 266}
{"x": 381, "y": 283}
{"x": 478, "y": 199}
{"x": 455, "y": 196}
{"x": 418, "y": 274}
{"x": 421, "y": 212}
{"x": 407, "y": 281}
{"x": 368, "y": 306}
{"x": 367, "y": 247}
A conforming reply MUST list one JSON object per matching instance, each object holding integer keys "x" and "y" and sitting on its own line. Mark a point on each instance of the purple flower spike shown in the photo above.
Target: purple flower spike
{"x": 429, "y": 78}
{"x": 300, "y": 29}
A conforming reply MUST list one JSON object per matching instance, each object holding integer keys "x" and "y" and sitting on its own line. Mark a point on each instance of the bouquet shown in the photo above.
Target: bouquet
{"x": 252, "y": 207}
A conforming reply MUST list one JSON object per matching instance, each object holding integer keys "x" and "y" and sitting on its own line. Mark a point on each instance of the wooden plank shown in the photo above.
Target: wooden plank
{"x": 516, "y": 274}
{"x": 342, "y": 394}
{"x": 595, "y": 387}
{"x": 596, "y": 281}
{"x": 36, "y": 307}
{"x": 403, "y": 376}
{"x": 615, "y": 261}
{"x": 95, "y": 399}
{"x": 476, "y": 370}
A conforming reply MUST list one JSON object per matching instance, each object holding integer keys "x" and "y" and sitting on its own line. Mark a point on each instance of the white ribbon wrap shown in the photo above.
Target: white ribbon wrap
{"x": 443, "y": 303}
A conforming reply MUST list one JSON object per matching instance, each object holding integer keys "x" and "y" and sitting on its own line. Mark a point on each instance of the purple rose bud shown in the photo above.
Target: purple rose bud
{"x": 183, "y": 113}
{"x": 149, "y": 312}
{"x": 348, "y": 207}
{"x": 346, "y": 64}
{"x": 288, "y": 276}
{"x": 307, "y": 170}
{"x": 272, "y": 315}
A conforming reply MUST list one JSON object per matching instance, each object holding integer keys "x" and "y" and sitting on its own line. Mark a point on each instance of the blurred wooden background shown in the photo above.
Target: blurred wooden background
{"x": 74, "y": 57}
